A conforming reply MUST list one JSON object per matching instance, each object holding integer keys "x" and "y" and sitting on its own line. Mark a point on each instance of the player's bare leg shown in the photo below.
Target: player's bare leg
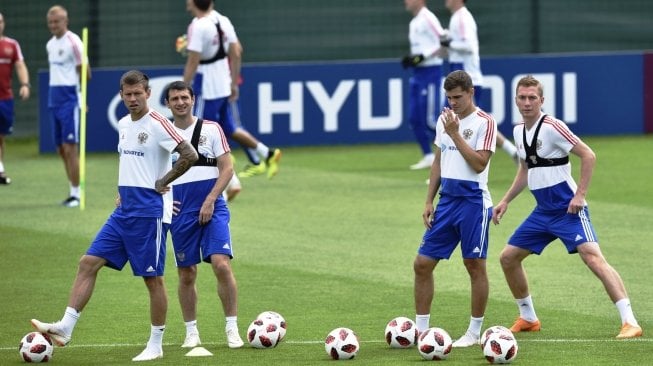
{"x": 480, "y": 289}
{"x": 511, "y": 259}
{"x": 82, "y": 290}
{"x": 158, "y": 310}
{"x": 187, "y": 293}
{"x": 70, "y": 157}
{"x": 591, "y": 254}
{"x": 424, "y": 288}
{"x": 228, "y": 294}
{"x": 4, "y": 179}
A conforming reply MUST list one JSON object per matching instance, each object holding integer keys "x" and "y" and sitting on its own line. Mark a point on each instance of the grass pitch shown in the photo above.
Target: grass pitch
{"x": 328, "y": 243}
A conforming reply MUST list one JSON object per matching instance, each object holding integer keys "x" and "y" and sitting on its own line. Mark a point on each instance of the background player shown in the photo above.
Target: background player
{"x": 561, "y": 210}
{"x": 65, "y": 50}
{"x": 200, "y": 228}
{"x": 462, "y": 47}
{"x": 136, "y": 230}
{"x": 10, "y": 57}
{"x": 425, "y": 58}
{"x": 465, "y": 142}
{"x": 213, "y": 67}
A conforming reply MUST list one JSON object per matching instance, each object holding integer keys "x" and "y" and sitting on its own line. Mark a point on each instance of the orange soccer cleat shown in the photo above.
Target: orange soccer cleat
{"x": 523, "y": 325}
{"x": 629, "y": 331}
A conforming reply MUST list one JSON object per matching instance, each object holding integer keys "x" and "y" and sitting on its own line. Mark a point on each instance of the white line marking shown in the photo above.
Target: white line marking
{"x": 117, "y": 345}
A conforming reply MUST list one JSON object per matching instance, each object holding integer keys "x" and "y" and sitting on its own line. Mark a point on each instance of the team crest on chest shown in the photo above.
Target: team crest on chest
{"x": 467, "y": 134}
{"x": 538, "y": 144}
{"x": 8, "y": 52}
{"x": 142, "y": 138}
{"x": 202, "y": 140}
{"x": 60, "y": 52}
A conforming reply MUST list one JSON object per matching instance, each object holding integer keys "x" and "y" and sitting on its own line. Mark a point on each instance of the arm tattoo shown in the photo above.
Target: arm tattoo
{"x": 187, "y": 156}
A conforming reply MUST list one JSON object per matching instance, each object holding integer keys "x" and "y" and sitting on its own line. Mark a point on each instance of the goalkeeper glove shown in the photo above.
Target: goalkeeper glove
{"x": 411, "y": 60}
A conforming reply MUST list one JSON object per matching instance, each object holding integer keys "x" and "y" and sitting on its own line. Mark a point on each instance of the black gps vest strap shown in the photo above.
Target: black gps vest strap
{"x": 203, "y": 160}
{"x": 532, "y": 159}
{"x": 221, "y": 52}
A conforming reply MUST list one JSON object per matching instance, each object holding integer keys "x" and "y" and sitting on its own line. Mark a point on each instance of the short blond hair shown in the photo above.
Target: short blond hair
{"x": 528, "y": 81}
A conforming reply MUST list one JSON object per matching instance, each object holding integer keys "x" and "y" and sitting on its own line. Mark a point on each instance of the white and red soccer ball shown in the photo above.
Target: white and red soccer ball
{"x": 434, "y": 344}
{"x": 341, "y": 344}
{"x": 275, "y": 317}
{"x": 492, "y": 330}
{"x": 500, "y": 347}
{"x": 264, "y": 333}
{"x": 401, "y": 332}
{"x": 36, "y": 347}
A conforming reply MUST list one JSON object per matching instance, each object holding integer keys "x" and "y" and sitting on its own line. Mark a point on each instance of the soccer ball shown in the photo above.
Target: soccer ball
{"x": 276, "y": 317}
{"x": 341, "y": 344}
{"x": 36, "y": 347}
{"x": 500, "y": 348}
{"x": 434, "y": 344}
{"x": 401, "y": 333}
{"x": 492, "y": 330}
{"x": 263, "y": 333}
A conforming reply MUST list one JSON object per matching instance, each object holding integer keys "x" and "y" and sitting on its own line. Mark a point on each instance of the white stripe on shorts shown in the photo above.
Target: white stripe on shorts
{"x": 587, "y": 225}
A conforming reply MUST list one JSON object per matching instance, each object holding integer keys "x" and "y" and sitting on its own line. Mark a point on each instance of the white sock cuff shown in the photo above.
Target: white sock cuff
{"x": 262, "y": 150}
{"x": 72, "y": 312}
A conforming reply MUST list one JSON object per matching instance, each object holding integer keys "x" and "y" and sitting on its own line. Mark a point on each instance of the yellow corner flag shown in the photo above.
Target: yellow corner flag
{"x": 82, "y": 122}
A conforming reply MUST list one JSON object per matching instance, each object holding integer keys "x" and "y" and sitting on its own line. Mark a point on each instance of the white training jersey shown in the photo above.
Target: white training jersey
{"x": 552, "y": 186}
{"x": 64, "y": 55}
{"x": 424, "y": 32}
{"x": 212, "y": 144}
{"x": 457, "y": 178}
{"x": 203, "y": 38}
{"x": 464, "y": 47}
{"x": 191, "y": 189}
{"x": 145, "y": 148}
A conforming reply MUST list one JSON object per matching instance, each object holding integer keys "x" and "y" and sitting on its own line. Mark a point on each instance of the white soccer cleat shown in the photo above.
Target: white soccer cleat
{"x": 192, "y": 340}
{"x": 149, "y": 354}
{"x": 60, "y": 338}
{"x": 467, "y": 340}
{"x": 233, "y": 338}
{"x": 424, "y": 163}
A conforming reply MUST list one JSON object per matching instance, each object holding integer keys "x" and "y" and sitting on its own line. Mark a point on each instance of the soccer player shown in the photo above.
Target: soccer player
{"x": 10, "y": 57}
{"x": 425, "y": 58}
{"x": 561, "y": 212}
{"x": 200, "y": 228}
{"x": 65, "y": 50}
{"x": 462, "y": 47}
{"x": 213, "y": 67}
{"x": 136, "y": 230}
{"x": 465, "y": 141}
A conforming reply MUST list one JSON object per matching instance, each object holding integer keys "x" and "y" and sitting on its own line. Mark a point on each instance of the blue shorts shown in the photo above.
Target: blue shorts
{"x": 457, "y": 220}
{"x": 139, "y": 240}
{"x": 6, "y": 116}
{"x": 65, "y": 123}
{"x": 424, "y": 102}
{"x": 217, "y": 110}
{"x": 194, "y": 243}
{"x": 542, "y": 227}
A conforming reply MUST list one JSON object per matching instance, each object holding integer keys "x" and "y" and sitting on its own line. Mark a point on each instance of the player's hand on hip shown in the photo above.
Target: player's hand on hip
{"x": 160, "y": 187}
{"x": 176, "y": 207}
